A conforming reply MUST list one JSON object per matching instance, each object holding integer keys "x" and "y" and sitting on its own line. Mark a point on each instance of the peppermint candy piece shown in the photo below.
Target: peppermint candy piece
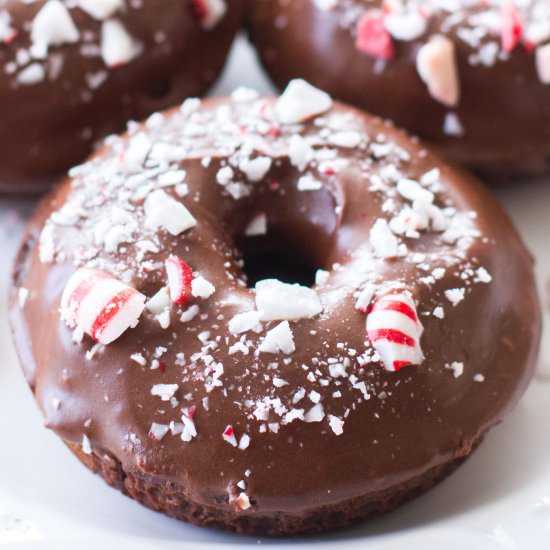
{"x": 372, "y": 37}
{"x": 162, "y": 210}
{"x": 229, "y": 435}
{"x": 436, "y": 66}
{"x": 100, "y": 9}
{"x": 406, "y": 26}
{"x": 52, "y": 26}
{"x": 394, "y": 330}
{"x": 100, "y": 305}
{"x": 511, "y": 32}
{"x": 7, "y": 32}
{"x": 542, "y": 60}
{"x": 278, "y": 301}
{"x": 180, "y": 278}
{"x": 117, "y": 46}
{"x": 209, "y": 12}
{"x": 301, "y": 101}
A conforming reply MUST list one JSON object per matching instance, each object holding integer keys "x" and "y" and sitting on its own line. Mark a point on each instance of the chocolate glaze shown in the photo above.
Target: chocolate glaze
{"x": 416, "y": 420}
{"x": 51, "y": 125}
{"x": 504, "y": 107}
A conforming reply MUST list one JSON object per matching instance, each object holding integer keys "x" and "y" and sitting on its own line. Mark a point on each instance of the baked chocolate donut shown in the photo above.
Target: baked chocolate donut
{"x": 327, "y": 318}
{"x": 78, "y": 70}
{"x": 470, "y": 77}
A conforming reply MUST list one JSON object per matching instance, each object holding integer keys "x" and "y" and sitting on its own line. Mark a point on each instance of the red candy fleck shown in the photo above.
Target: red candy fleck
{"x": 199, "y": 9}
{"x": 229, "y": 432}
{"x": 398, "y": 365}
{"x": 372, "y": 37}
{"x": 180, "y": 277}
{"x": 391, "y": 335}
{"x": 512, "y": 27}
{"x": 107, "y": 314}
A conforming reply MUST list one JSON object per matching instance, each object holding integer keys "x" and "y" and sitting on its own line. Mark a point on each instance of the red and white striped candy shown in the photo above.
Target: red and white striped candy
{"x": 394, "y": 330}
{"x": 436, "y": 65}
{"x": 180, "y": 277}
{"x": 100, "y": 305}
{"x": 372, "y": 37}
{"x": 209, "y": 12}
{"x": 512, "y": 27}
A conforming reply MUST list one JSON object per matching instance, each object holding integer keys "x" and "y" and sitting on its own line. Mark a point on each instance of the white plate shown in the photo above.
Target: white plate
{"x": 499, "y": 499}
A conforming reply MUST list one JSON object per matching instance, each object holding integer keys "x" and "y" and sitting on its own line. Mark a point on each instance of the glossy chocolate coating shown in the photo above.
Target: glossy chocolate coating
{"x": 416, "y": 420}
{"x": 504, "y": 107}
{"x": 51, "y": 125}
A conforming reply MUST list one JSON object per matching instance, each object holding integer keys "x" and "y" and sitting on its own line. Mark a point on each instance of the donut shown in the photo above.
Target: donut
{"x": 272, "y": 315}
{"x": 76, "y": 71}
{"x": 469, "y": 77}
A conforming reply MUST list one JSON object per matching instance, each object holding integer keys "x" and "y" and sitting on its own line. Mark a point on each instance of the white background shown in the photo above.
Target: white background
{"x": 499, "y": 499}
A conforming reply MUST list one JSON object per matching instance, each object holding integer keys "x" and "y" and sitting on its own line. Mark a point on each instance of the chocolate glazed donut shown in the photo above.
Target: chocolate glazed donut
{"x": 263, "y": 406}
{"x": 497, "y": 123}
{"x": 78, "y": 70}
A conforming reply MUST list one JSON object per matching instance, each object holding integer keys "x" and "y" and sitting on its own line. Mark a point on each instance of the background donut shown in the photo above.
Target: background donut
{"x": 366, "y": 52}
{"x": 267, "y": 408}
{"x": 77, "y": 70}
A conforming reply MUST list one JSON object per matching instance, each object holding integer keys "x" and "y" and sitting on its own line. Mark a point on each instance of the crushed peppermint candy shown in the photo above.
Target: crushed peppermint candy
{"x": 278, "y": 301}
{"x": 278, "y": 340}
{"x": 301, "y": 101}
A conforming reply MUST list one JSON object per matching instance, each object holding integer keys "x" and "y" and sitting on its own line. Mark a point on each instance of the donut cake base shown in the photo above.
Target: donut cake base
{"x": 170, "y": 498}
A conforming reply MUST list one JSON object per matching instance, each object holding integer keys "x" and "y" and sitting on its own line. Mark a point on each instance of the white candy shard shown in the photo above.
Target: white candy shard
{"x": 86, "y": 445}
{"x": 278, "y": 339}
{"x": 257, "y": 225}
{"x": 52, "y": 26}
{"x": 315, "y": 414}
{"x": 31, "y": 74}
{"x": 542, "y": 60}
{"x": 301, "y": 101}
{"x": 437, "y": 67}
{"x": 394, "y": 330}
{"x": 189, "y": 430}
{"x": 201, "y": 288}
{"x": 455, "y": 295}
{"x": 242, "y": 502}
{"x": 210, "y": 12}
{"x": 100, "y": 9}
{"x": 336, "y": 424}
{"x": 100, "y": 305}
{"x": 158, "y": 431}
{"x": 406, "y": 26}
{"x": 7, "y": 32}
{"x": 256, "y": 169}
{"x": 413, "y": 191}
{"x": 277, "y": 301}
{"x": 117, "y": 46}
{"x": 309, "y": 183}
{"x": 162, "y": 210}
{"x": 159, "y": 302}
{"x": 244, "y": 322}
{"x": 164, "y": 391}
{"x": 383, "y": 241}
{"x": 300, "y": 152}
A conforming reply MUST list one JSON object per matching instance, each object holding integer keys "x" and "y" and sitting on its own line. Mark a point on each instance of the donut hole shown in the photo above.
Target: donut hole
{"x": 283, "y": 233}
{"x": 277, "y": 262}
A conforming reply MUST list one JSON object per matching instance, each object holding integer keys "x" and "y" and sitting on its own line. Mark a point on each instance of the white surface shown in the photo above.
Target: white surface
{"x": 499, "y": 499}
